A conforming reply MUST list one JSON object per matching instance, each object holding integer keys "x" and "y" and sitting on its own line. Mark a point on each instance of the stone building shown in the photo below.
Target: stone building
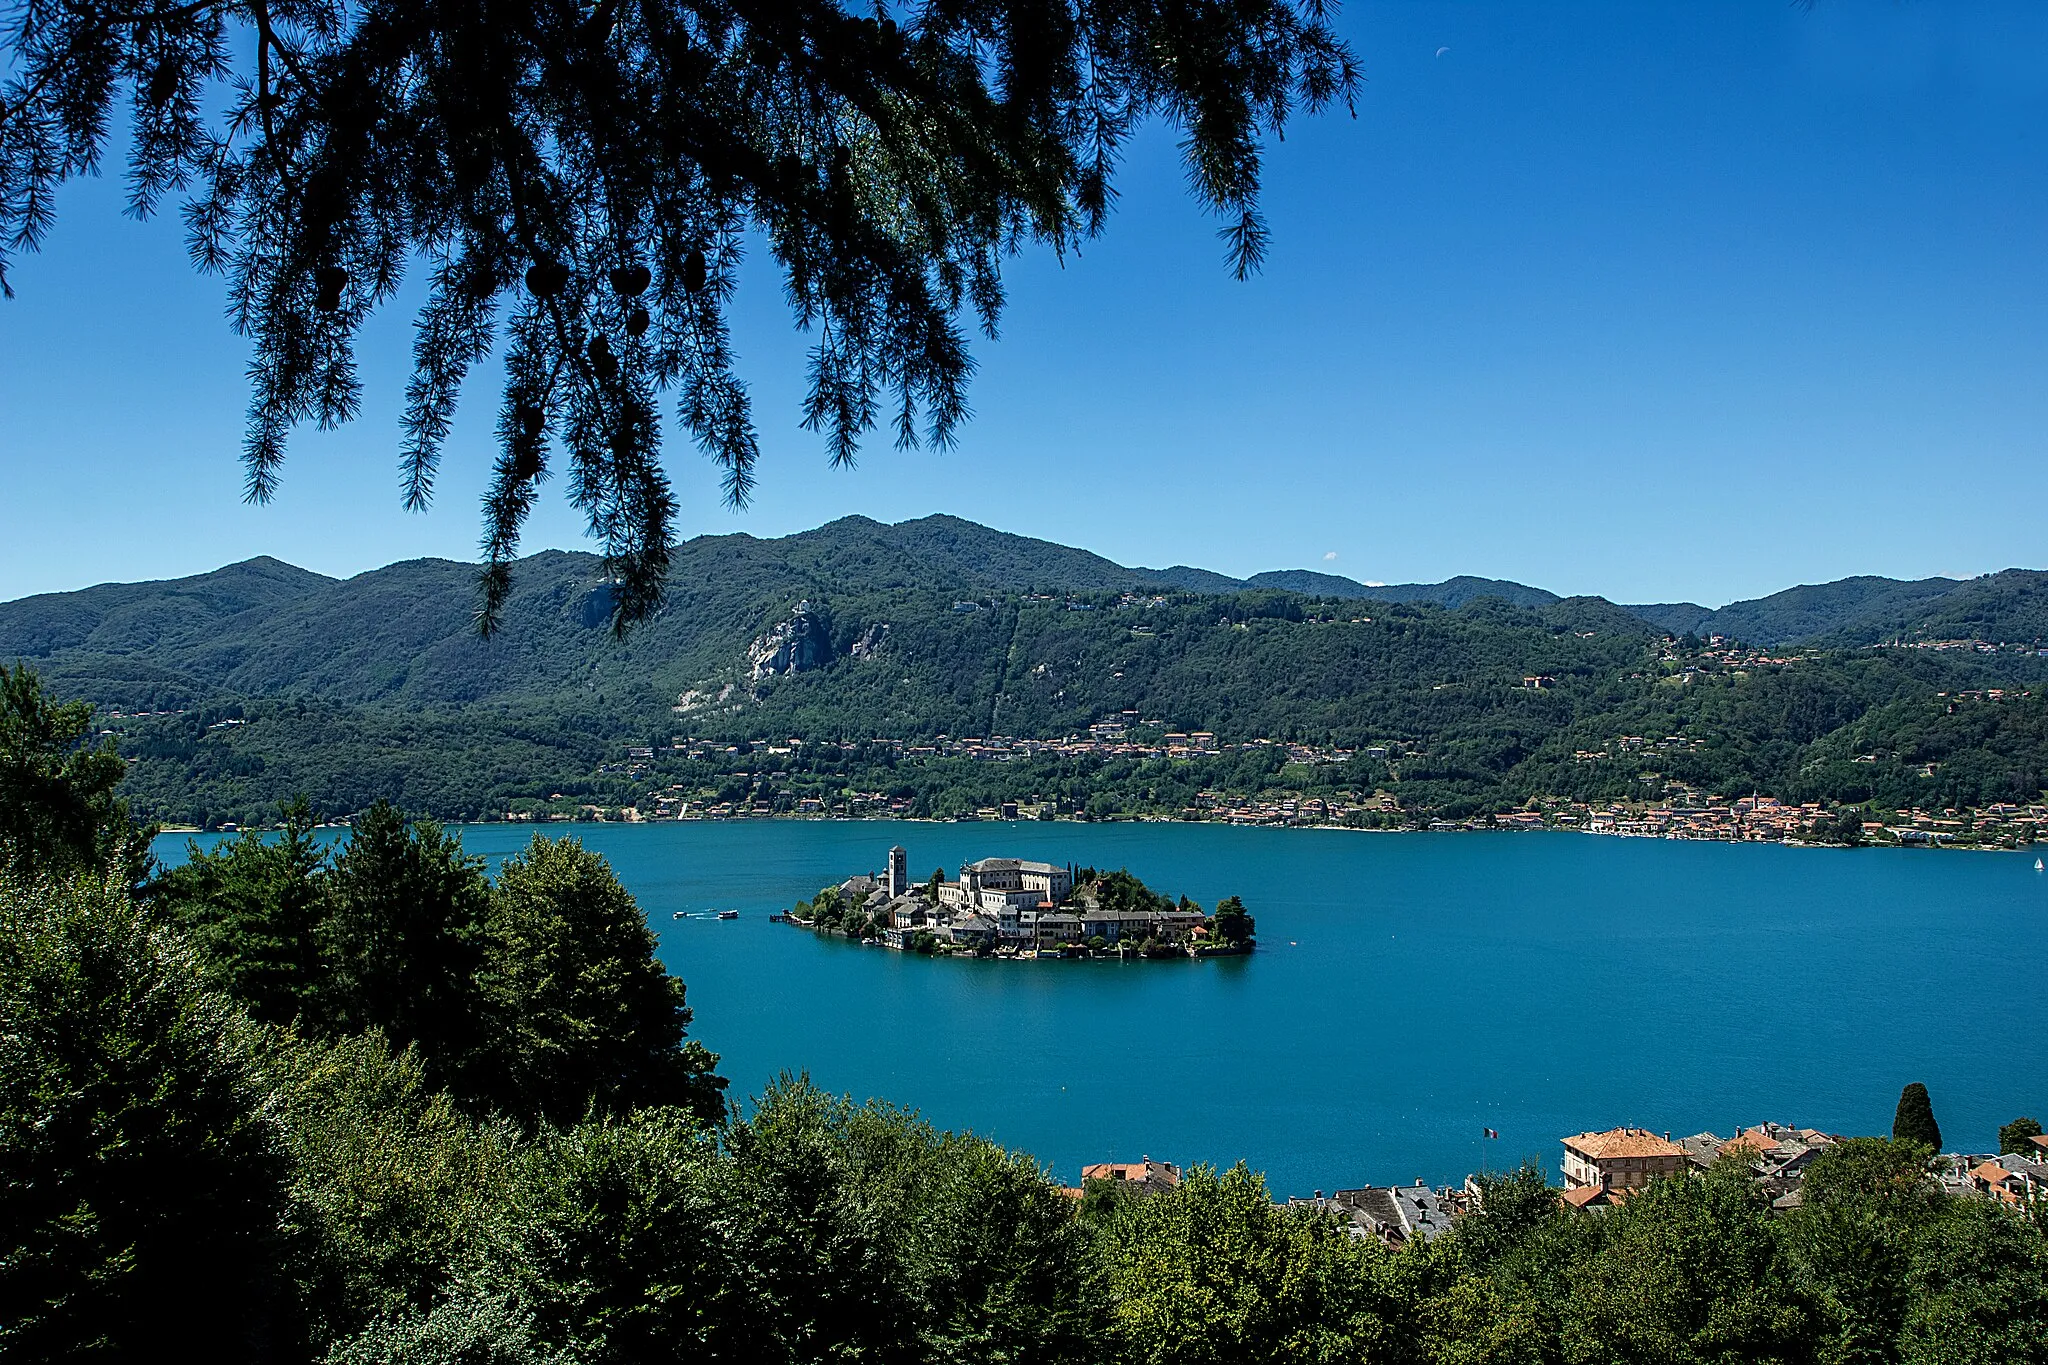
{"x": 1619, "y": 1159}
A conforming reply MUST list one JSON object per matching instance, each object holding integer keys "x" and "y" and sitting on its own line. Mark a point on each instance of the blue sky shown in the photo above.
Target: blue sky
{"x": 1651, "y": 300}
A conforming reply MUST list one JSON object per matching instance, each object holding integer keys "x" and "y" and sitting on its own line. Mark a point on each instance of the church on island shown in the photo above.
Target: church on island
{"x": 1018, "y": 908}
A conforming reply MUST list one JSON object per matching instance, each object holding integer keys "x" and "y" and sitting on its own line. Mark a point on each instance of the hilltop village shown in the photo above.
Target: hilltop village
{"x": 1016, "y": 908}
{"x": 1607, "y": 1168}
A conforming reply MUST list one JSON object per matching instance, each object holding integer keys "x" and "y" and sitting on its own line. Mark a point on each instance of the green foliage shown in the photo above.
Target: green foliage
{"x": 396, "y": 1193}
{"x": 1685, "y": 1271}
{"x": 1214, "y": 1271}
{"x": 617, "y": 1243}
{"x": 2013, "y": 1137}
{"x": 1514, "y": 1209}
{"x": 406, "y": 917}
{"x": 472, "y": 1327}
{"x": 58, "y": 811}
{"x": 142, "y": 1171}
{"x": 1120, "y": 891}
{"x": 1233, "y": 925}
{"x": 256, "y": 910}
{"x": 1914, "y": 1121}
{"x": 586, "y": 1016}
{"x": 1891, "y": 1172}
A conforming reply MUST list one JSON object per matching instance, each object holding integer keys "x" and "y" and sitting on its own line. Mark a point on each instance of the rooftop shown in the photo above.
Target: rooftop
{"x": 1618, "y": 1142}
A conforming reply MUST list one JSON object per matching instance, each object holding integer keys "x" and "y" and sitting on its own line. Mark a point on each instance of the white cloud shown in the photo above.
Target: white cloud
{"x": 1331, "y": 555}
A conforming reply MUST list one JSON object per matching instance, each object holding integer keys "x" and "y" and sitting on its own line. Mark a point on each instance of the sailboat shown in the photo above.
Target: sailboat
{"x": 2037, "y": 865}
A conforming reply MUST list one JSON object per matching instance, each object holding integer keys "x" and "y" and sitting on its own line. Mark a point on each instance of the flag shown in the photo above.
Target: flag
{"x": 1490, "y": 1133}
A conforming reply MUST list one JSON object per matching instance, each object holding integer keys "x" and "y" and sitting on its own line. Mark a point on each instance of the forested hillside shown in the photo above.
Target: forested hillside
{"x": 243, "y": 687}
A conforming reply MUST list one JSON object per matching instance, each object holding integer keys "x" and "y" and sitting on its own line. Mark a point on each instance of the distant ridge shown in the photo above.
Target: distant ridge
{"x": 205, "y": 623}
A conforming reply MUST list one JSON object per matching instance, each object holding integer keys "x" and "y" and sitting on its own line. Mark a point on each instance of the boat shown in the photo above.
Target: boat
{"x": 680, "y": 914}
{"x": 2037, "y": 864}
{"x": 728, "y": 914}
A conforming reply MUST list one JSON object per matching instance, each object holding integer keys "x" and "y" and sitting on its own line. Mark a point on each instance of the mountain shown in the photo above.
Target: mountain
{"x": 2011, "y": 606}
{"x": 123, "y": 617}
{"x": 282, "y": 681}
{"x": 1807, "y": 612}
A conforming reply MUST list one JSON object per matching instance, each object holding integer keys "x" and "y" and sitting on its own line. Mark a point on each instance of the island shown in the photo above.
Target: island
{"x": 1016, "y": 908}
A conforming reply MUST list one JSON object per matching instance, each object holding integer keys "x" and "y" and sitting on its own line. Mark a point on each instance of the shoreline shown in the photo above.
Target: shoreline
{"x": 814, "y": 817}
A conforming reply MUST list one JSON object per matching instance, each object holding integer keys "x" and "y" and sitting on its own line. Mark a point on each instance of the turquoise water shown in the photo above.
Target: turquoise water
{"x": 1410, "y": 990}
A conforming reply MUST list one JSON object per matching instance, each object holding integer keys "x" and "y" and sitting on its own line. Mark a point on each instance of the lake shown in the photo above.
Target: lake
{"x": 1410, "y": 991}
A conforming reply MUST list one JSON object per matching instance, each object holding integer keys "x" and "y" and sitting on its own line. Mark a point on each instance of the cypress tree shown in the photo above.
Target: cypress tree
{"x": 1914, "y": 1121}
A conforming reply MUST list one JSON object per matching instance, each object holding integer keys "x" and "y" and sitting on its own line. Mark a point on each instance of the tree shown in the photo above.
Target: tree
{"x": 1233, "y": 925}
{"x": 615, "y": 160}
{"x": 585, "y": 1017}
{"x": 58, "y": 811}
{"x": 406, "y": 918}
{"x": 2013, "y": 1138}
{"x": 1887, "y": 1171}
{"x": 256, "y": 909}
{"x": 1212, "y": 1270}
{"x": 1914, "y": 1121}
{"x": 396, "y": 1195}
{"x": 141, "y": 1167}
{"x": 1685, "y": 1270}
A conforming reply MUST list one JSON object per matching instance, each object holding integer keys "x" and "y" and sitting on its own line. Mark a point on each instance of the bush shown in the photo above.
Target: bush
{"x": 142, "y": 1168}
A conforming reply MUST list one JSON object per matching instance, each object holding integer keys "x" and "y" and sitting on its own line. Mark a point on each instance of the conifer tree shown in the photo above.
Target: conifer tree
{"x": 1914, "y": 1121}
{"x": 579, "y": 181}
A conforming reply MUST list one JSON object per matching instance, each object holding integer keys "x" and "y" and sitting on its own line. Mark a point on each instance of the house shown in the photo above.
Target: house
{"x": 1619, "y": 1159}
{"x": 1394, "y": 1214}
{"x": 1702, "y": 1149}
{"x": 1778, "y": 1152}
{"x": 1144, "y": 1176}
{"x": 971, "y": 931}
{"x": 1592, "y": 1197}
{"x": 2010, "y": 1179}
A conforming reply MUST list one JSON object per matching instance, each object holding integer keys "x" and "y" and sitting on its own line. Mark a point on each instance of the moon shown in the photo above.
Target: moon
{"x": 1441, "y": 51}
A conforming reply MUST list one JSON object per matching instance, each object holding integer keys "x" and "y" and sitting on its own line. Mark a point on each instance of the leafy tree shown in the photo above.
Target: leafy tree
{"x": 586, "y": 1016}
{"x": 472, "y": 1326}
{"x": 1233, "y": 925}
{"x": 1684, "y": 1271}
{"x": 1513, "y": 1208}
{"x": 2013, "y": 1138}
{"x": 1976, "y": 1290}
{"x": 407, "y": 910}
{"x": 142, "y": 1175}
{"x": 1914, "y": 1121}
{"x": 1214, "y": 1271}
{"x": 396, "y": 1196}
{"x": 58, "y": 811}
{"x": 616, "y": 161}
{"x": 874, "y": 1237}
{"x": 256, "y": 910}
{"x": 1886, "y": 1171}
{"x": 618, "y": 1243}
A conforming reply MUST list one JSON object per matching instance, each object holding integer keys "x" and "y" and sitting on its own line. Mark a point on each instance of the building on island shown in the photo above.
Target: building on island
{"x": 1007, "y": 903}
{"x": 1619, "y": 1159}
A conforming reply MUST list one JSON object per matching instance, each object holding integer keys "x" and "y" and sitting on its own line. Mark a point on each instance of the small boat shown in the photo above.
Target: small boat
{"x": 2037, "y": 865}
{"x": 680, "y": 914}
{"x": 728, "y": 914}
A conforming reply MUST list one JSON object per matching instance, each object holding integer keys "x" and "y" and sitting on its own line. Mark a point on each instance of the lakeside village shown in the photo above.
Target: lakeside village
{"x": 1019, "y": 909}
{"x": 1605, "y": 1169}
{"x": 1682, "y": 813}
